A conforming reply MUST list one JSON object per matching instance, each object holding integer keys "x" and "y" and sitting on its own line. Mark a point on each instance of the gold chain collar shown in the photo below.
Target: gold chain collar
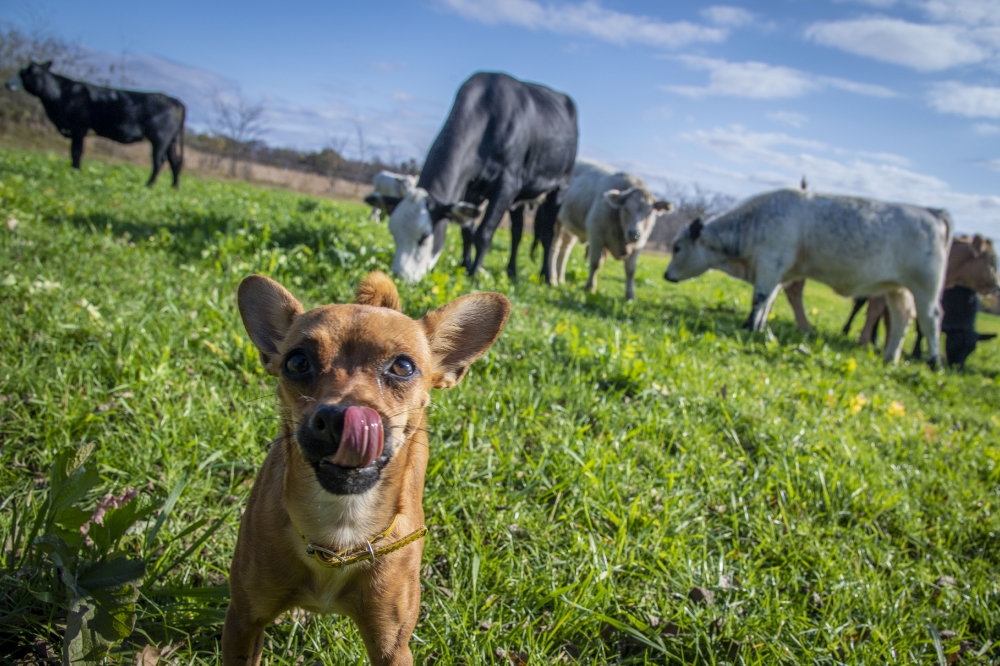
{"x": 334, "y": 559}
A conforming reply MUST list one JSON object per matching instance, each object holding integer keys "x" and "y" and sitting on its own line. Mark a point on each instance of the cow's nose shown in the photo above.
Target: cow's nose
{"x": 633, "y": 236}
{"x": 666, "y": 276}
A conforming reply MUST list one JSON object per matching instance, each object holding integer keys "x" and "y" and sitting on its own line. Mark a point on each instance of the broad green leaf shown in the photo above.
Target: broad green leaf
{"x": 115, "y": 616}
{"x": 67, "y": 461}
{"x": 71, "y": 518}
{"x": 111, "y": 574}
{"x": 76, "y": 486}
{"x": 117, "y": 521}
{"x": 82, "y": 646}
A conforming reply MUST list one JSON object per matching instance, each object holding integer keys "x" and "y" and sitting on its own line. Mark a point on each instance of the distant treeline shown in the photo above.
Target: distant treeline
{"x": 326, "y": 162}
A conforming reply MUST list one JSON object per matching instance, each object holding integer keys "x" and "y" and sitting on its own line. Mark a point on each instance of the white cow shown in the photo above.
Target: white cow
{"x": 388, "y": 190}
{"x": 859, "y": 247}
{"x": 612, "y": 211}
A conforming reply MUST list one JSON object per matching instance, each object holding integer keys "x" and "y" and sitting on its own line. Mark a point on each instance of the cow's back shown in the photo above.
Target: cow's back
{"x": 498, "y": 123}
{"x": 855, "y": 244}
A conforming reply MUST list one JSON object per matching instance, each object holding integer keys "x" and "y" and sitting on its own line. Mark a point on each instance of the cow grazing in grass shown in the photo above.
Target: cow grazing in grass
{"x": 960, "y": 305}
{"x": 857, "y": 246}
{"x": 388, "y": 189}
{"x": 972, "y": 263}
{"x": 125, "y": 116}
{"x": 504, "y": 141}
{"x": 613, "y": 212}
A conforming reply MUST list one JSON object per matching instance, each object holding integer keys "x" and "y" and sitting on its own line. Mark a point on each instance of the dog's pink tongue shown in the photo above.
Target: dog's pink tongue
{"x": 361, "y": 442}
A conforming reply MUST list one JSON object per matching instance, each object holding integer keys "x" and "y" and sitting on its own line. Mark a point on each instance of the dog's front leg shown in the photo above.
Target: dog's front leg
{"x": 386, "y": 623}
{"x": 242, "y": 638}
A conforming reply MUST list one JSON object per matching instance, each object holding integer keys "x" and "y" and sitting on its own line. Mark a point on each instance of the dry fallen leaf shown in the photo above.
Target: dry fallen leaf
{"x": 150, "y": 656}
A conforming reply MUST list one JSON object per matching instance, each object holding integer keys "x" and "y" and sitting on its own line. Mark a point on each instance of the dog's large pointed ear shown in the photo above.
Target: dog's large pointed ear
{"x": 267, "y": 310}
{"x": 379, "y": 290}
{"x": 461, "y": 332}
{"x": 695, "y": 228}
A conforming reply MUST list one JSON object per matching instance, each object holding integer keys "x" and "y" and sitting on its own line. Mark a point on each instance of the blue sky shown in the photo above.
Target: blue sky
{"x": 892, "y": 99}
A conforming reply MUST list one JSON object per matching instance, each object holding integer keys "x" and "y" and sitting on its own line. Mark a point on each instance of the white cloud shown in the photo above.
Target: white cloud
{"x": 993, "y": 165}
{"x": 970, "y": 12}
{"x": 730, "y": 17}
{"x": 986, "y": 129}
{"x": 768, "y": 160}
{"x": 965, "y": 100}
{"x": 757, "y": 80}
{"x": 587, "y": 18}
{"x": 788, "y": 118}
{"x": 396, "y": 128}
{"x": 922, "y": 47}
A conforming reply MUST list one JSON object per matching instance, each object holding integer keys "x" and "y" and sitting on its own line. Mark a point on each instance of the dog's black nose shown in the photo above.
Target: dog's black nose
{"x": 320, "y": 434}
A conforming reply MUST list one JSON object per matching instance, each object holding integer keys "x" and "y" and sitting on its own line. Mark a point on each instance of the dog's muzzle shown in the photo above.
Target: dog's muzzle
{"x": 345, "y": 445}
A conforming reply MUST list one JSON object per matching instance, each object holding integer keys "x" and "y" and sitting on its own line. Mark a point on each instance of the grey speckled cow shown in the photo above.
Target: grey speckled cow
{"x": 859, "y": 247}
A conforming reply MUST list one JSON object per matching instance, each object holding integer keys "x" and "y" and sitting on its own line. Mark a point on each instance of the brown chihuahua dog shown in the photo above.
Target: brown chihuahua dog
{"x": 335, "y": 519}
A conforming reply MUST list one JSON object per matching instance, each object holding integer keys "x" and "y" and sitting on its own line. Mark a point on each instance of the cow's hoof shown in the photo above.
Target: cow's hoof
{"x": 934, "y": 363}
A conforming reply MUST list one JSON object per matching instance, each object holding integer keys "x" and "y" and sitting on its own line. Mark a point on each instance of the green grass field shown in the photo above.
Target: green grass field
{"x": 600, "y": 462}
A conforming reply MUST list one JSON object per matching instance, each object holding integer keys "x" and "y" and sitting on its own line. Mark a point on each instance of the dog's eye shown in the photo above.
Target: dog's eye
{"x": 402, "y": 367}
{"x": 297, "y": 364}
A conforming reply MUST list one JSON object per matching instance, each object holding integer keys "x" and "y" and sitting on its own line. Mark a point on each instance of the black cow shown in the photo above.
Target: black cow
{"x": 125, "y": 116}
{"x": 960, "y": 305}
{"x": 505, "y": 141}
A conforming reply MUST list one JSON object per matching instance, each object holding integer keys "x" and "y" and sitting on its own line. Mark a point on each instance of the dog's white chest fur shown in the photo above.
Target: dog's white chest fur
{"x": 336, "y": 522}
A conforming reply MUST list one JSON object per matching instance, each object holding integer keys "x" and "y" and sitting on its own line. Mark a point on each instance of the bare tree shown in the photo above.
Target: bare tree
{"x": 240, "y": 122}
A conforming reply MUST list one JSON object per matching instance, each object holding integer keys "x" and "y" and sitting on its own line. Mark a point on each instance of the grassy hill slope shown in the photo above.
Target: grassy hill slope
{"x": 600, "y": 462}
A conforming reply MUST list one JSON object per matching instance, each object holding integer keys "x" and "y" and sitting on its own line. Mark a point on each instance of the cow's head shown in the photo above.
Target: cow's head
{"x": 959, "y": 344}
{"x": 637, "y": 210}
{"x": 691, "y": 255}
{"x": 973, "y": 264}
{"x": 419, "y": 238}
{"x": 32, "y": 78}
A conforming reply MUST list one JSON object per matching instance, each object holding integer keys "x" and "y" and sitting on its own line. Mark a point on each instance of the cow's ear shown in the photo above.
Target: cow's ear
{"x": 977, "y": 244}
{"x": 268, "y": 310}
{"x": 463, "y": 211}
{"x": 663, "y": 206}
{"x": 694, "y": 231}
{"x": 391, "y": 203}
{"x": 986, "y": 336}
{"x": 47, "y": 65}
{"x": 614, "y": 198}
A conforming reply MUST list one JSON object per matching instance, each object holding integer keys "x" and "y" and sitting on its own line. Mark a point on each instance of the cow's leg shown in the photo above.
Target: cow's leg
{"x": 545, "y": 225}
{"x": 556, "y": 249}
{"x": 917, "y": 352}
{"x": 468, "y": 238}
{"x": 929, "y": 320}
{"x": 630, "y": 263}
{"x": 500, "y": 202}
{"x": 176, "y": 162}
{"x": 858, "y": 304}
{"x": 516, "y": 230}
{"x": 76, "y": 150}
{"x": 876, "y": 308}
{"x": 793, "y": 291}
{"x": 561, "y": 248}
{"x": 900, "y": 304}
{"x": 159, "y": 155}
{"x": 769, "y": 271}
{"x": 595, "y": 253}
